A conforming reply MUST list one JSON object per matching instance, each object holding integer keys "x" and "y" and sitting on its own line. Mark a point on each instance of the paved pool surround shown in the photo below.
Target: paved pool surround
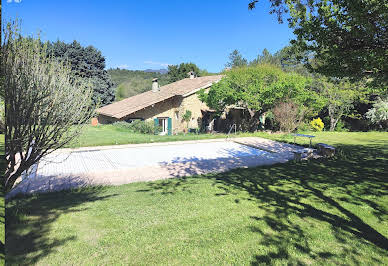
{"x": 123, "y": 164}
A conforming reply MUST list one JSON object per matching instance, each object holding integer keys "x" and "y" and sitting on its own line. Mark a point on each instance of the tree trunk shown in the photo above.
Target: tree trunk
{"x": 333, "y": 123}
{"x": 11, "y": 179}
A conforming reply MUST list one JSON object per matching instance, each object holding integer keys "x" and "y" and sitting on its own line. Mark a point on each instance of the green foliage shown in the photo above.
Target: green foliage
{"x": 339, "y": 96}
{"x": 259, "y": 87}
{"x": 288, "y": 115}
{"x": 138, "y": 126}
{"x": 347, "y": 38}
{"x": 266, "y": 58}
{"x": 236, "y": 60}
{"x": 46, "y": 104}
{"x": 87, "y": 63}
{"x": 379, "y": 112}
{"x": 179, "y": 72}
{"x": 187, "y": 116}
{"x": 317, "y": 124}
{"x": 341, "y": 127}
{"x": 128, "y": 83}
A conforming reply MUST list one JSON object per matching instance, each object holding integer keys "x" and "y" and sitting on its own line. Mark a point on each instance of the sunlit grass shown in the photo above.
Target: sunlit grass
{"x": 329, "y": 211}
{"x": 111, "y": 135}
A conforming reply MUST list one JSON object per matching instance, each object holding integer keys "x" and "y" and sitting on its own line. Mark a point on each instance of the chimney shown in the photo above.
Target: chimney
{"x": 155, "y": 85}
{"x": 192, "y": 74}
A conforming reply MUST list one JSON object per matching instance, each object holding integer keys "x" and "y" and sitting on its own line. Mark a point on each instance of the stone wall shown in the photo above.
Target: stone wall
{"x": 174, "y": 108}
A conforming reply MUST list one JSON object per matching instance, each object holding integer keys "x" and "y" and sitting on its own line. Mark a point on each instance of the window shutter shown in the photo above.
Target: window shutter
{"x": 156, "y": 123}
{"x": 169, "y": 126}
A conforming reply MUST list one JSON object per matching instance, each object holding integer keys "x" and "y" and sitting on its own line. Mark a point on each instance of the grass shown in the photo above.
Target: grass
{"x": 328, "y": 211}
{"x": 2, "y": 203}
{"x": 102, "y": 135}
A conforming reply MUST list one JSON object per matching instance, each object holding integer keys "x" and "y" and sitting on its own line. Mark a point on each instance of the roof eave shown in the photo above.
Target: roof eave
{"x": 198, "y": 89}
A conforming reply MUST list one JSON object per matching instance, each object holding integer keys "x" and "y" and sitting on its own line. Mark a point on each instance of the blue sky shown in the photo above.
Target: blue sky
{"x": 152, "y": 33}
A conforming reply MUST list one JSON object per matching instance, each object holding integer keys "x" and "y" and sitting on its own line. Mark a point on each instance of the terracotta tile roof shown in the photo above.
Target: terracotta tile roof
{"x": 135, "y": 103}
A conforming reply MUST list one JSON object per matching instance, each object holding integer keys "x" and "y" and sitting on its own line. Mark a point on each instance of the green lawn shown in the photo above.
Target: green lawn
{"x": 328, "y": 211}
{"x": 111, "y": 135}
{"x": 2, "y": 203}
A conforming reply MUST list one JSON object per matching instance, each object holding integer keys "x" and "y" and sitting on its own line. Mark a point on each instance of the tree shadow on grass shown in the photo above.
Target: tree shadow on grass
{"x": 2, "y": 203}
{"x": 28, "y": 240}
{"x": 319, "y": 192}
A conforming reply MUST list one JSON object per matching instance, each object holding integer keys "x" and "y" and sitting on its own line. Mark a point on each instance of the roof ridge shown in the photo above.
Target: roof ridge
{"x": 137, "y": 102}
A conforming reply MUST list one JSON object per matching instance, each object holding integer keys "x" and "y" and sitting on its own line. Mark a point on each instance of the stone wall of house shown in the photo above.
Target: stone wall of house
{"x": 195, "y": 105}
{"x": 174, "y": 108}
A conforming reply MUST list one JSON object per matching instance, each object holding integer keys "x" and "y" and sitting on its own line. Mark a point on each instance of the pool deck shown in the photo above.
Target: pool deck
{"x": 123, "y": 164}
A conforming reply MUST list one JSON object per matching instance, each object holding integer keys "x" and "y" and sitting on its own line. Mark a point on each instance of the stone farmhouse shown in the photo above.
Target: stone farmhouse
{"x": 164, "y": 105}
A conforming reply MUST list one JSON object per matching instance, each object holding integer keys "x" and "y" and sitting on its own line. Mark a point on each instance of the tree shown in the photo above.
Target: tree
{"x": 236, "y": 60}
{"x": 179, "y": 72}
{"x": 187, "y": 117}
{"x": 288, "y": 115}
{"x": 258, "y": 88}
{"x": 266, "y": 58}
{"x": 349, "y": 38}
{"x": 89, "y": 64}
{"x": 339, "y": 96}
{"x": 46, "y": 106}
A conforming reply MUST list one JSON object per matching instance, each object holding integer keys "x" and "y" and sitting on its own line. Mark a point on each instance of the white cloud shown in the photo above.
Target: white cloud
{"x": 15, "y": 1}
{"x": 156, "y": 63}
{"x": 123, "y": 66}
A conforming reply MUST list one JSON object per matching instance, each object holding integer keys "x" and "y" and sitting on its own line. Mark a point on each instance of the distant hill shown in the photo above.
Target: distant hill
{"x": 132, "y": 82}
{"x": 161, "y": 71}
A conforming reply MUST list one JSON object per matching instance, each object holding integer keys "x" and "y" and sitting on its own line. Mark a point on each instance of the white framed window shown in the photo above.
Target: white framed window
{"x": 176, "y": 115}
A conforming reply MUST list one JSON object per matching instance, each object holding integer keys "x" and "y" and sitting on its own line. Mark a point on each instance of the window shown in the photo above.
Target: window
{"x": 176, "y": 115}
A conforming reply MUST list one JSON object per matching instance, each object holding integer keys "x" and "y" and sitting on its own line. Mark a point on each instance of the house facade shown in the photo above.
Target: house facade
{"x": 164, "y": 105}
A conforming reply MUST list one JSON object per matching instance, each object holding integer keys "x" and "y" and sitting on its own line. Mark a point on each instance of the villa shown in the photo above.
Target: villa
{"x": 164, "y": 105}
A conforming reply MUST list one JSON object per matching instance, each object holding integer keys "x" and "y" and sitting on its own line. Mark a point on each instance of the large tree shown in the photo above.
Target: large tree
{"x": 339, "y": 96}
{"x": 178, "y": 72}
{"x": 258, "y": 88}
{"x": 87, "y": 63}
{"x": 46, "y": 106}
{"x": 348, "y": 38}
{"x": 236, "y": 60}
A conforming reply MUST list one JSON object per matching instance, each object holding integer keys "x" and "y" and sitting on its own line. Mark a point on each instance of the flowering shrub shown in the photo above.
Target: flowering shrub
{"x": 379, "y": 112}
{"x": 317, "y": 124}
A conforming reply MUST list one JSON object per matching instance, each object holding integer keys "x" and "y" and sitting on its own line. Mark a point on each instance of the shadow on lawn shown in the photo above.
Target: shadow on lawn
{"x": 311, "y": 192}
{"x": 27, "y": 240}
{"x": 2, "y": 204}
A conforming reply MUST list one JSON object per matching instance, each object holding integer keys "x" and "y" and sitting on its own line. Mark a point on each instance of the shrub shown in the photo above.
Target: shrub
{"x": 317, "y": 124}
{"x": 379, "y": 112}
{"x": 138, "y": 126}
{"x": 341, "y": 127}
{"x": 304, "y": 127}
{"x": 288, "y": 115}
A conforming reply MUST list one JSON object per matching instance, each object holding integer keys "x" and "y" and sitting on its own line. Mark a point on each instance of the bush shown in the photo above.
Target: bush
{"x": 317, "y": 124}
{"x": 288, "y": 115}
{"x": 139, "y": 126}
{"x": 341, "y": 127}
{"x": 379, "y": 112}
{"x": 305, "y": 126}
